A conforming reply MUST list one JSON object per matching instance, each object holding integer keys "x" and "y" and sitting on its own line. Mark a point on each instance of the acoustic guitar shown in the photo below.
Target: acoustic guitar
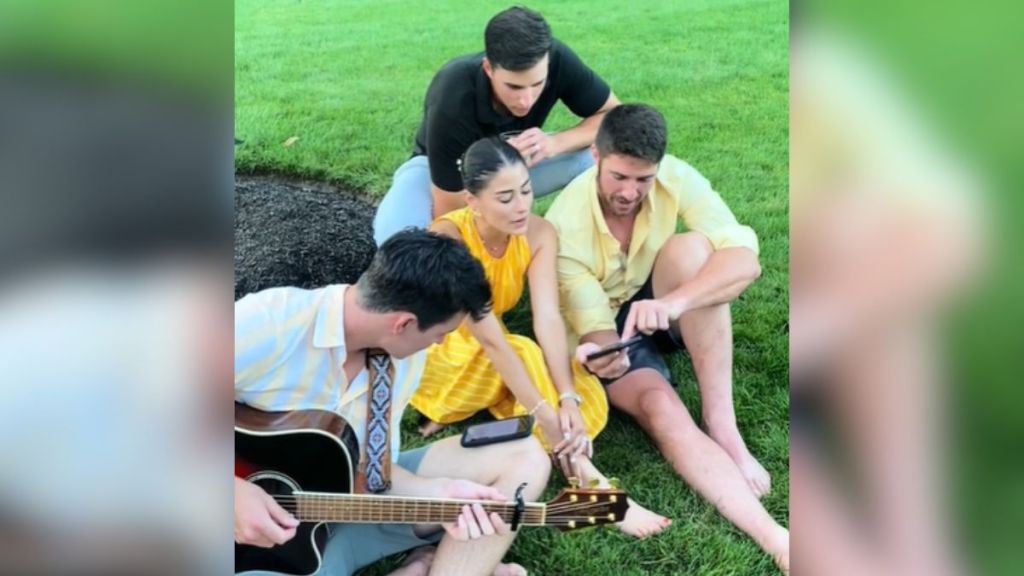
{"x": 306, "y": 460}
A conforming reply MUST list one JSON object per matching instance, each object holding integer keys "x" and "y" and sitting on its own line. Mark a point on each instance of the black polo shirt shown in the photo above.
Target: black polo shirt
{"x": 458, "y": 109}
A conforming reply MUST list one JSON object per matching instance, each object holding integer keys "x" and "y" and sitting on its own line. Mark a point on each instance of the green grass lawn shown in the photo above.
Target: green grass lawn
{"x": 348, "y": 78}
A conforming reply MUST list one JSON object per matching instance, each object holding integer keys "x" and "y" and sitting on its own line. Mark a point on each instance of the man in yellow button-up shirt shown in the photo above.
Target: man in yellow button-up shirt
{"x": 623, "y": 270}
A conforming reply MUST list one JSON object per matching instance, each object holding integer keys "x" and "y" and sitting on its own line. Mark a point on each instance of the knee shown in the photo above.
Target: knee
{"x": 527, "y": 461}
{"x": 688, "y": 251}
{"x": 661, "y": 408}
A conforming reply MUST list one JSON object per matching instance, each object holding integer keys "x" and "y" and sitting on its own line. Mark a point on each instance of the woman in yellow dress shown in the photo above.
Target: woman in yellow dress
{"x": 481, "y": 365}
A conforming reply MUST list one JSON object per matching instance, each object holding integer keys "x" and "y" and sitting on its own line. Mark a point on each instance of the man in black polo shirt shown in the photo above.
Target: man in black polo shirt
{"x": 508, "y": 90}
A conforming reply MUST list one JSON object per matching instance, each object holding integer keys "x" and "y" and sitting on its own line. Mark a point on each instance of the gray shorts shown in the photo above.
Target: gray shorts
{"x": 650, "y": 353}
{"x": 353, "y": 546}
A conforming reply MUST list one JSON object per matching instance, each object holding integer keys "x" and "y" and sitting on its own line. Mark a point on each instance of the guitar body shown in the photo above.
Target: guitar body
{"x": 283, "y": 452}
{"x": 306, "y": 460}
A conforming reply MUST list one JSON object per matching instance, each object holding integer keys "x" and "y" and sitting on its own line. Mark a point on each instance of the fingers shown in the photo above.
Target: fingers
{"x": 580, "y": 446}
{"x": 562, "y": 459}
{"x": 583, "y": 349}
{"x": 474, "y": 522}
{"x": 277, "y": 534}
{"x": 481, "y": 520}
{"x": 561, "y": 446}
{"x": 265, "y": 535}
{"x": 629, "y": 327}
{"x": 646, "y": 316}
{"x": 650, "y": 319}
{"x": 563, "y": 417}
{"x": 533, "y": 145}
{"x": 500, "y": 527}
{"x": 616, "y": 367}
{"x": 458, "y": 531}
{"x": 280, "y": 515}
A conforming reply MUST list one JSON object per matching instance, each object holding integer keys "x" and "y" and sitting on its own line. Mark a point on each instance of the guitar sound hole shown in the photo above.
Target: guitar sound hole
{"x": 275, "y": 486}
{"x": 279, "y": 487}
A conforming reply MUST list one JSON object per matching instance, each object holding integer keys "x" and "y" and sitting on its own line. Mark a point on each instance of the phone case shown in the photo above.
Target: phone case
{"x": 611, "y": 349}
{"x": 467, "y": 443}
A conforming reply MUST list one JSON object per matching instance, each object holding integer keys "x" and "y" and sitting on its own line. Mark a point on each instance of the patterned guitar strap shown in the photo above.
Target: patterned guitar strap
{"x": 375, "y": 459}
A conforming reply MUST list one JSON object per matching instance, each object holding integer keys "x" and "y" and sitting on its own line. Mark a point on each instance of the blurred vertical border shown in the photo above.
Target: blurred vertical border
{"x": 906, "y": 345}
{"x": 116, "y": 179}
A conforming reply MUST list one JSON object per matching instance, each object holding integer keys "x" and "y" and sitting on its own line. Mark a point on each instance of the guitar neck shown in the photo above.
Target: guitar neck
{"x": 359, "y": 508}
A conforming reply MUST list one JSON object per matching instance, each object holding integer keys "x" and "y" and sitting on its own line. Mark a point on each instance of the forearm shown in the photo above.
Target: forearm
{"x": 577, "y": 137}
{"x": 727, "y": 273}
{"x": 513, "y": 373}
{"x": 551, "y": 338}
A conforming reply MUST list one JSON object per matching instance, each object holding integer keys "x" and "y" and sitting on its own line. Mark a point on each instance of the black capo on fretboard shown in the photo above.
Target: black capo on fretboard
{"x": 520, "y": 507}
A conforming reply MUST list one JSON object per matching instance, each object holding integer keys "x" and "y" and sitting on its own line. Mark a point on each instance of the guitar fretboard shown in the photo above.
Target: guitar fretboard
{"x": 322, "y": 507}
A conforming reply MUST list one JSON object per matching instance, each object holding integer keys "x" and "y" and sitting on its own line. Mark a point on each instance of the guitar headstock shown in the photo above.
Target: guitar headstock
{"x": 575, "y": 508}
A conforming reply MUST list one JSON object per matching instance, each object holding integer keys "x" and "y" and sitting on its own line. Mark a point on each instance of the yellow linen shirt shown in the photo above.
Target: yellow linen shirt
{"x": 594, "y": 276}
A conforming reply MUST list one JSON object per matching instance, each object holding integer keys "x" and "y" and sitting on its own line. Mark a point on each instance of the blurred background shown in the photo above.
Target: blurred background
{"x": 115, "y": 287}
{"x": 904, "y": 346}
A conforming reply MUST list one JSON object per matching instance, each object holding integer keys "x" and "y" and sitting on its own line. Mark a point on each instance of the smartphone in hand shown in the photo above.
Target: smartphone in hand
{"x": 615, "y": 347}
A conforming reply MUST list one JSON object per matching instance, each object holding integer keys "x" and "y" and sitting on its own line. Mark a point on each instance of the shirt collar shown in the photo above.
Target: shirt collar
{"x": 595, "y": 205}
{"x": 329, "y": 330}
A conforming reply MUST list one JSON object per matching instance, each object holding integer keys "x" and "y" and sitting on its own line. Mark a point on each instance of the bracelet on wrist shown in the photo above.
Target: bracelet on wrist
{"x": 537, "y": 407}
{"x": 570, "y": 396}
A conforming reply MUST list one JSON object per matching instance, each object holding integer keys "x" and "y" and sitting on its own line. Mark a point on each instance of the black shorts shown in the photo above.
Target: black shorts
{"x": 651, "y": 351}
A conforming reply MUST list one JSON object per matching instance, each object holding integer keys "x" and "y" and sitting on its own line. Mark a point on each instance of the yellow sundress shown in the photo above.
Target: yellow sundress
{"x": 459, "y": 379}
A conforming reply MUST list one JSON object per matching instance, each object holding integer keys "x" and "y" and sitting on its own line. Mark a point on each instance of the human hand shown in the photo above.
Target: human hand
{"x": 259, "y": 519}
{"x": 575, "y": 442}
{"x": 473, "y": 522}
{"x": 550, "y": 425}
{"x": 534, "y": 144}
{"x": 609, "y": 367}
{"x": 649, "y": 316}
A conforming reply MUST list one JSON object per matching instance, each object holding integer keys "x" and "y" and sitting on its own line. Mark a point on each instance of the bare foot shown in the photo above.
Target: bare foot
{"x": 641, "y": 522}
{"x": 778, "y": 547}
{"x": 783, "y": 563}
{"x": 510, "y": 569}
{"x": 429, "y": 428}
{"x": 417, "y": 563}
{"x": 757, "y": 477}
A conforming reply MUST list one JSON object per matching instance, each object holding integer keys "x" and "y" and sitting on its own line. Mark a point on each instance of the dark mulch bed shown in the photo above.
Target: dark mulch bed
{"x": 293, "y": 232}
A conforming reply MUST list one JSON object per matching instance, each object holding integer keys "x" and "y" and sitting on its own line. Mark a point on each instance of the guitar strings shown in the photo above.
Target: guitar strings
{"x": 378, "y": 503}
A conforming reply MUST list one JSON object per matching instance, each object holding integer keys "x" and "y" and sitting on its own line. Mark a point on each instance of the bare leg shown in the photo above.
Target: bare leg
{"x": 639, "y": 521}
{"x": 417, "y": 563}
{"x": 887, "y": 396}
{"x": 504, "y": 466}
{"x": 707, "y": 333}
{"x": 698, "y": 459}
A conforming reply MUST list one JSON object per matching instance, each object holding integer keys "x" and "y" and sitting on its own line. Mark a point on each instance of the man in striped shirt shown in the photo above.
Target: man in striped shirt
{"x": 305, "y": 349}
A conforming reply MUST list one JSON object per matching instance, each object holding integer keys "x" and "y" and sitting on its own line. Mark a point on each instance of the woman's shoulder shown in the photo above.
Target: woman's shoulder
{"x": 540, "y": 231}
{"x": 447, "y": 227}
{"x": 541, "y": 234}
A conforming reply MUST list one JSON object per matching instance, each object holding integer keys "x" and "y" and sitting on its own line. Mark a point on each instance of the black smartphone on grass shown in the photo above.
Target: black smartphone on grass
{"x": 613, "y": 348}
{"x": 497, "y": 431}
